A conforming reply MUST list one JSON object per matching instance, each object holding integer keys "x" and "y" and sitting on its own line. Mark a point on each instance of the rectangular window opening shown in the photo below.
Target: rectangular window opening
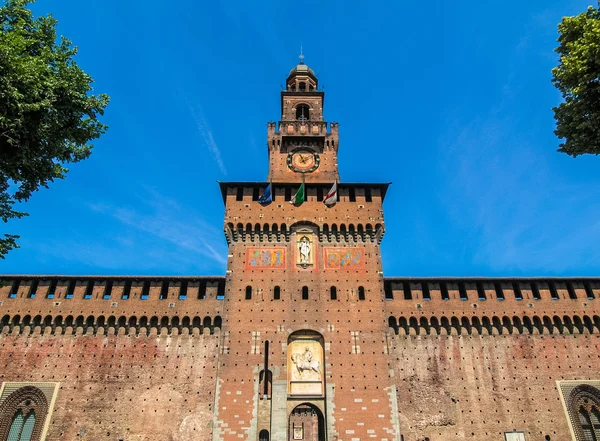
{"x": 288, "y": 193}
{"x": 164, "y": 290}
{"x": 571, "y": 290}
{"x": 407, "y": 291}
{"x": 255, "y": 193}
{"x": 202, "y": 290}
{"x": 183, "y": 290}
{"x": 320, "y": 194}
{"x": 444, "y": 291}
{"x": 352, "y": 191}
{"x": 145, "y": 290}
{"x": 462, "y": 291}
{"x": 14, "y": 290}
{"x": 517, "y": 291}
{"x": 107, "y": 290}
{"x": 536, "y": 292}
{"x": 239, "y": 194}
{"x": 389, "y": 293}
{"x": 425, "y": 291}
{"x": 89, "y": 289}
{"x": 221, "y": 290}
{"x": 126, "y": 290}
{"x": 500, "y": 292}
{"x": 33, "y": 289}
{"x": 481, "y": 291}
{"x": 71, "y": 289}
{"x": 588, "y": 290}
{"x": 368, "y": 195}
{"x": 553, "y": 291}
{"x": 52, "y": 289}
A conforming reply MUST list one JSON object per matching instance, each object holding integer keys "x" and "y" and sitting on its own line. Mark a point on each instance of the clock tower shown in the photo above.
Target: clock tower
{"x": 305, "y": 339}
{"x": 303, "y": 146}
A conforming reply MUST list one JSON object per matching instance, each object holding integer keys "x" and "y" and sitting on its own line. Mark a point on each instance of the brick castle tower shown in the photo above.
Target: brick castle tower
{"x": 305, "y": 287}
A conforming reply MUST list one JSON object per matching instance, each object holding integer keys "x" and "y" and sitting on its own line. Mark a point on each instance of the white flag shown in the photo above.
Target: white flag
{"x": 331, "y": 197}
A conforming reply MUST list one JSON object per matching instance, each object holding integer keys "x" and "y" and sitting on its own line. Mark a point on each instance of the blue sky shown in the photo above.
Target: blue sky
{"x": 450, "y": 101}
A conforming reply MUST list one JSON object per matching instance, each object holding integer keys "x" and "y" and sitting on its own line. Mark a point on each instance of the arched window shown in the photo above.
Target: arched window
{"x": 584, "y": 411}
{"x": 302, "y": 86}
{"x": 302, "y": 112}
{"x": 276, "y": 293}
{"x": 361, "y": 293}
{"x": 305, "y": 293}
{"x": 248, "y": 292}
{"x": 263, "y": 435}
{"x": 333, "y": 293}
{"x": 21, "y": 428}
{"x": 25, "y": 410}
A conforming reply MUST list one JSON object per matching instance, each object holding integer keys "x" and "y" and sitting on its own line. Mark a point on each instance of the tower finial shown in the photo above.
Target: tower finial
{"x": 301, "y": 55}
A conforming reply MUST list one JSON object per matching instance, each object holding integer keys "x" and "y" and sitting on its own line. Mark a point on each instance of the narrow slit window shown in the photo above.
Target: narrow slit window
{"x": 333, "y": 293}
{"x": 368, "y": 196}
{"x": 239, "y": 194}
{"x": 305, "y": 293}
{"x": 288, "y": 193}
{"x": 277, "y": 293}
{"x": 361, "y": 293}
{"x": 255, "y": 193}
{"x": 319, "y": 194}
{"x": 352, "y": 194}
{"x": 248, "y": 293}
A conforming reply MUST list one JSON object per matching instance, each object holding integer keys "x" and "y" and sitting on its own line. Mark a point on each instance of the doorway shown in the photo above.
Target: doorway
{"x": 306, "y": 424}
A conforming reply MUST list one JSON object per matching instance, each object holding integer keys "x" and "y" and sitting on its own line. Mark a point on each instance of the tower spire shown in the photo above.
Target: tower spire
{"x": 301, "y": 55}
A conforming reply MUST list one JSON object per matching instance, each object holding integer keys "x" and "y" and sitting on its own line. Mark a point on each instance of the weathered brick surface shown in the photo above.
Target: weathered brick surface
{"x": 180, "y": 358}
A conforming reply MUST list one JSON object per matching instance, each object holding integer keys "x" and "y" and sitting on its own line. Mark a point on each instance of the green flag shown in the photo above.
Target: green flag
{"x": 299, "y": 197}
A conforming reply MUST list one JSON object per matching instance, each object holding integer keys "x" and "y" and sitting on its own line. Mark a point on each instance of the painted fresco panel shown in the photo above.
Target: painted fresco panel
{"x": 265, "y": 258}
{"x": 344, "y": 258}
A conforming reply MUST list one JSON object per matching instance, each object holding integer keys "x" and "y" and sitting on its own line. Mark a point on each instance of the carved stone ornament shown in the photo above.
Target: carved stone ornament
{"x": 305, "y": 248}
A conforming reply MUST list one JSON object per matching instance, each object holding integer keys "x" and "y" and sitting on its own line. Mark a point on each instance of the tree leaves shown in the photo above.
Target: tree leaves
{"x": 577, "y": 77}
{"x": 47, "y": 114}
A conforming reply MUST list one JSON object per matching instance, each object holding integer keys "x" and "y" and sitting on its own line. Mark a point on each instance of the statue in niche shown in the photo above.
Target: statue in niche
{"x": 305, "y": 249}
{"x": 304, "y": 362}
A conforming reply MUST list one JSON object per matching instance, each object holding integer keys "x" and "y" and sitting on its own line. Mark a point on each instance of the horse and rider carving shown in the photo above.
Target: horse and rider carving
{"x": 304, "y": 362}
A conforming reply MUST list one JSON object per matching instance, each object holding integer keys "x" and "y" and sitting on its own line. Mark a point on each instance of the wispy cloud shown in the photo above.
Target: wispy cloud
{"x": 207, "y": 136}
{"x": 522, "y": 212}
{"x": 166, "y": 220}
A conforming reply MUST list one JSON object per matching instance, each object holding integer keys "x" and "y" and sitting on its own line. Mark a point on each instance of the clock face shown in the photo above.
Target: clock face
{"x": 303, "y": 161}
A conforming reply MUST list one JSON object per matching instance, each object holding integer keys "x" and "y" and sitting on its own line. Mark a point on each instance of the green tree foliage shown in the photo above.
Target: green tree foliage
{"x": 578, "y": 78}
{"x": 47, "y": 114}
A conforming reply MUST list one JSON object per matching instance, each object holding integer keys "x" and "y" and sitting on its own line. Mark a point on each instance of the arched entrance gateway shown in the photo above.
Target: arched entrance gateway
{"x": 306, "y": 423}
{"x": 306, "y": 386}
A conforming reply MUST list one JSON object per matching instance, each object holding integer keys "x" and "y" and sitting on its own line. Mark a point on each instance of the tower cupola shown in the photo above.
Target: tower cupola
{"x": 301, "y": 78}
